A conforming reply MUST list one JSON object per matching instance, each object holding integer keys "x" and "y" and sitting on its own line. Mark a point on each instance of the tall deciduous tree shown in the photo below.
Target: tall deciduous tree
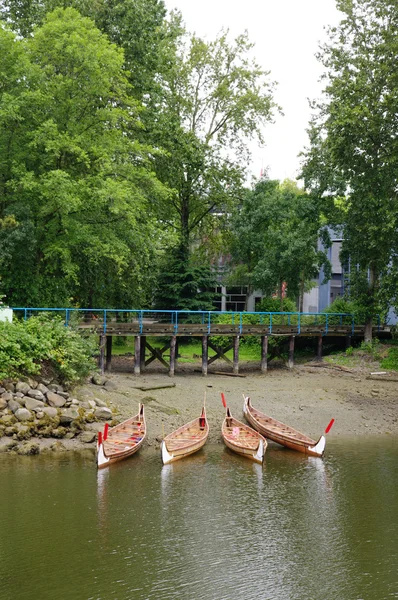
{"x": 353, "y": 159}
{"x": 213, "y": 99}
{"x": 275, "y": 239}
{"x": 77, "y": 185}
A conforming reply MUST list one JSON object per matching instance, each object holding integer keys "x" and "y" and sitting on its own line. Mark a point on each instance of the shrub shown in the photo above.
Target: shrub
{"x": 28, "y": 347}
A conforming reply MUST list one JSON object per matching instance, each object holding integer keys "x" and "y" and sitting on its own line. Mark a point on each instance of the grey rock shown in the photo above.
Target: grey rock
{"x": 36, "y": 394}
{"x": 10, "y": 387}
{"x": 86, "y": 405}
{"x": 39, "y": 414}
{"x": 9, "y": 431}
{"x": 55, "y": 400}
{"x": 110, "y": 385}
{"x": 98, "y": 379}
{"x": 8, "y": 445}
{"x": 100, "y": 403}
{"x": 13, "y": 405}
{"x": 29, "y": 448}
{"x": 3, "y": 403}
{"x": 87, "y": 437}
{"x": 50, "y": 411}
{"x": 92, "y": 404}
{"x": 63, "y": 394}
{"x": 33, "y": 383}
{"x": 70, "y": 435}
{"x": 42, "y": 388}
{"x": 54, "y": 387}
{"x": 19, "y": 395}
{"x": 23, "y": 414}
{"x": 68, "y": 415}
{"x": 7, "y": 396}
{"x": 103, "y": 414}
{"x": 22, "y": 387}
{"x": 2, "y": 390}
{"x": 8, "y": 419}
{"x": 31, "y": 403}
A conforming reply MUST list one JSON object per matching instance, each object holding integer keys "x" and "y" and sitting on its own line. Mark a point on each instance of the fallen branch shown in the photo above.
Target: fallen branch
{"x": 147, "y": 388}
{"x": 381, "y": 378}
{"x": 228, "y": 374}
{"x": 329, "y": 366}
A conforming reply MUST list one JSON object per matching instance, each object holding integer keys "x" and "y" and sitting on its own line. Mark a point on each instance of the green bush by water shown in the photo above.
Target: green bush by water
{"x": 40, "y": 344}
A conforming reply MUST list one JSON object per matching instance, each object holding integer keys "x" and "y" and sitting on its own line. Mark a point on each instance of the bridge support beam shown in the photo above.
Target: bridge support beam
{"x": 319, "y": 348}
{"x": 173, "y": 343}
{"x": 291, "y": 352}
{"x": 142, "y": 353}
{"x": 236, "y": 354}
{"x": 108, "y": 363}
{"x": 137, "y": 355}
{"x": 264, "y": 352}
{"x": 102, "y": 343}
{"x": 205, "y": 355}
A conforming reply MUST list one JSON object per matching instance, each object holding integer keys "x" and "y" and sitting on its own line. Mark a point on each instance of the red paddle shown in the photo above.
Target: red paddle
{"x": 329, "y": 427}
{"x": 106, "y": 431}
{"x": 224, "y": 402}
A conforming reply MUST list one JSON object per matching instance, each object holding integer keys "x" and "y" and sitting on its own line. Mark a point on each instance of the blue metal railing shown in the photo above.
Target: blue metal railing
{"x": 104, "y": 317}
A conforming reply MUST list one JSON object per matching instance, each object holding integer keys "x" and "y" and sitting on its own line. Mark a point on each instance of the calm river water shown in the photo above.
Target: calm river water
{"x": 212, "y": 527}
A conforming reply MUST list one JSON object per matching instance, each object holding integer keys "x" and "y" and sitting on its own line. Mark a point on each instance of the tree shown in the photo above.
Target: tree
{"x": 353, "y": 157}
{"x": 275, "y": 239}
{"x": 134, "y": 25}
{"x": 212, "y": 99}
{"x": 77, "y": 185}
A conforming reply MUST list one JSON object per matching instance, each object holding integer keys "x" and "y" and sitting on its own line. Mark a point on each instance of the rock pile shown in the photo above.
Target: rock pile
{"x": 31, "y": 409}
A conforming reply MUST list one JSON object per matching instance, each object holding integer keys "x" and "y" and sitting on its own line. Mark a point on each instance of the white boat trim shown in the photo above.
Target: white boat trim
{"x": 260, "y": 452}
{"x": 319, "y": 447}
{"x": 101, "y": 458}
{"x": 166, "y": 456}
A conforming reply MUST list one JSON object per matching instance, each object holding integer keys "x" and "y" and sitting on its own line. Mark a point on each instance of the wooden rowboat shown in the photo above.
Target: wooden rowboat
{"x": 186, "y": 439}
{"x": 283, "y": 434}
{"x": 121, "y": 441}
{"x": 243, "y": 439}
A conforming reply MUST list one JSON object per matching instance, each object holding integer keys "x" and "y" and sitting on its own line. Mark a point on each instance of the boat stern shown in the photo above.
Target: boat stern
{"x": 259, "y": 456}
{"x": 102, "y": 460}
{"x": 166, "y": 456}
{"x": 319, "y": 447}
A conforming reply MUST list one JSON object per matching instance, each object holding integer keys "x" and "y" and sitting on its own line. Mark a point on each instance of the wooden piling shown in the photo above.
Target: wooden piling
{"x": 102, "y": 343}
{"x": 137, "y": 355}
{"x": 291, "y": 352}
{"x": 108, "y": 364}
{"x": 236, "y": 354}
{"x": 319, "y": 348}
{"x": 142, "y": 353}
{"x": 264, "y": 352}
{"x": 173, "y": 342}
{"x": 205, "y": 355}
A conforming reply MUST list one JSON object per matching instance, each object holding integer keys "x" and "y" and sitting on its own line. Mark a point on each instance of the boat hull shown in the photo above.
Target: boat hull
{"x": 290, "y": 438}
{"x": 122, "y": 441}
{"x": 243, "y": 440}
{"x": 185, "y": 440}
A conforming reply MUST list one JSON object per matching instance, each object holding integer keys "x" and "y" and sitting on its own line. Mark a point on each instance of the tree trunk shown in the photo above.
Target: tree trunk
{"x": 368, "y": 335}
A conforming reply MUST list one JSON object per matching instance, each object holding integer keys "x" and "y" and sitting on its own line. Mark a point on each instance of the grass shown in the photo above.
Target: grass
{"x": 377, "y": 355}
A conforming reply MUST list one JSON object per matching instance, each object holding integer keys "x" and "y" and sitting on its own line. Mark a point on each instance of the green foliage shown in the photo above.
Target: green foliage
{"x": 275, "y": 237}
{"x": 390, "y": 362}
{"x": 28, "y": 347}
{"x": 271, "y": 304}
{"x": 184, "y": 285}
{"x": 352, "y": 164}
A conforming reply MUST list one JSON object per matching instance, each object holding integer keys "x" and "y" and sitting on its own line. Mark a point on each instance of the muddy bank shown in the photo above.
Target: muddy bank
{"x": 305, "y": 398}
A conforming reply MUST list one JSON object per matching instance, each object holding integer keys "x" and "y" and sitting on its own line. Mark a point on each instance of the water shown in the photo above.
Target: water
{"x": 212, "y": 527}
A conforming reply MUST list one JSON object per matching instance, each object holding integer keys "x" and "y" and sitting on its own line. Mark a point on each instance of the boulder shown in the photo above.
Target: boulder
{"x": 23, "y": 414}
{"x": 98, "y": 379}
{"x": 7, "y": 396}
{"x": 110, "y": 385}
{"x": 36, "y": 394}
{"x": 32, "y": 404}
{"x": 68, "y": 415}
{"x": 13, "y": 405}
{"x": 63, "y": 394}
{"x": 3, "y": 403}
{"x": 55, "y": 400}
{"x": 103, "y": 414}
{"x": 87, "y": 437}
{"x": 22, "y": 387}
{"x": 2, "y": 390}
{"x": 10, "y": 387}
{"x": 33, "y": 383}
{"x": 100, "y": 403}
{"x": 8, "y": 419}
{"x": 29, "y": 448}
{"x": 50, "y": 411}
{"x": 42, "y": 388}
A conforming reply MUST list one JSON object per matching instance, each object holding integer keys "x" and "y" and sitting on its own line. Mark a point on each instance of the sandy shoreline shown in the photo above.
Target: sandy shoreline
{"x": 305, "y": 398}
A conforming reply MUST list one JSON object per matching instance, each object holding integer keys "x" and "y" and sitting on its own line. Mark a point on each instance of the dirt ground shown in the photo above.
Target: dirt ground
{"x": 306, "y": 398}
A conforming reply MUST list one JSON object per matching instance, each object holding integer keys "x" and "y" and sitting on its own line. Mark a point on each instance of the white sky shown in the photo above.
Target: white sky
{"x": 286, "y": 34}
